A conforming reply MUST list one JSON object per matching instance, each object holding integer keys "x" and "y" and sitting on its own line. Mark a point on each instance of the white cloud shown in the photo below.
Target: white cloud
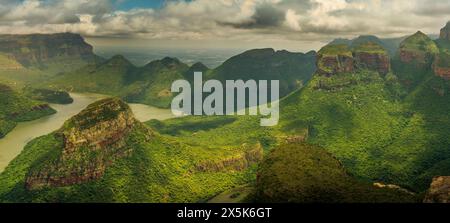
{"x": 240, "y": 20}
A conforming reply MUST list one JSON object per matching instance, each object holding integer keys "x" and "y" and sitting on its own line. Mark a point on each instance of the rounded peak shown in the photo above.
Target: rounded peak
{"x": 420, "y": 42}
{"x": 199, "y": 66}
{"x": 170, "y": 61}
{"x": 420, "y": 33}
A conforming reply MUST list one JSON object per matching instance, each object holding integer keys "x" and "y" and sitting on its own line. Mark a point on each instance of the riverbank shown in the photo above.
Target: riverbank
{"x": 13, "y": 143}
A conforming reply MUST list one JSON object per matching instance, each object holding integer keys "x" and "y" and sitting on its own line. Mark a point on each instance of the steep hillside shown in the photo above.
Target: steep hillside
{"x": 414, "y": 58}
{"x": 292, "y": 69}
{"x": 370, "y": 123}
{"x": 104, "y": 155}
{"x": 151, "y": 84}
{"x": 441, "y": 64}
{"x": 119, "y": 77}
{"x": 15, "y": 107}
{"x": 44, "y": 50}
{"x": 37, "y": 57}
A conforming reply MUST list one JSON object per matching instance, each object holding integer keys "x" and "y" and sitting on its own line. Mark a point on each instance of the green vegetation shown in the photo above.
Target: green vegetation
{"x": 14, "y": 107}
{"x": 160, "y": 168}
{"x": 419, "y": 42}
{"x": 32, "y": 59}
{"x": 118, "y": 77}
{"x": 47, "y": 95}
{"x": 377, "y": 133}
{"x": 151, "y": 84}
{"x": 301, "y": 173}
{"x": 337, "y": 135}
{"x": 293, "y": 70}
{"x": 412, "y": 64}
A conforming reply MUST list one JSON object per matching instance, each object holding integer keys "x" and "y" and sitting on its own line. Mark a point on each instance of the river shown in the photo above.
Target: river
{"x": 14, "y": 142}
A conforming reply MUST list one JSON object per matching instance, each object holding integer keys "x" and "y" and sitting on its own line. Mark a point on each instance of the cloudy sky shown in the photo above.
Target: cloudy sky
{"x": 291, "y": 24}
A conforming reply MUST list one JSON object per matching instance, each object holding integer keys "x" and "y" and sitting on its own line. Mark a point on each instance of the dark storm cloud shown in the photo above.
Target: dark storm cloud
{"x": 265, "y": 16}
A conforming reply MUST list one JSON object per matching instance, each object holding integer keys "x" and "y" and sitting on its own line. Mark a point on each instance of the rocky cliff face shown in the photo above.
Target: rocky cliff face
{"x": 91, "y": 141}
{"x": 41, "y": 48}
{"x": 441, "y": 69}
{"x": 371, "y": 61}
{"x": 441, "y": 65}
{"x": 372, "y": 56}
{"x": 330, "y": 65}
{"x": 336, "y": 59}
{"x": 445, "y": 32}
{"x": 439, "y": 191}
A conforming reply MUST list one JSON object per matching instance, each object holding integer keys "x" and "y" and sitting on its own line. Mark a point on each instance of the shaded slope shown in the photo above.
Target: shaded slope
{"x": 292, "y": 69}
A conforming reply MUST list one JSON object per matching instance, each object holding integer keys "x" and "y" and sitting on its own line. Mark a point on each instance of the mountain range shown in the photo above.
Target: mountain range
{"x": 151, "y": 83}
{"x": 370, "y": 125}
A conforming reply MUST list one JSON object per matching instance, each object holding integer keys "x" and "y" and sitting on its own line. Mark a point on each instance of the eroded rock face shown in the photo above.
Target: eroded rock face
{"x": 337, "y": 59}
{"x": 418, "y": 57}
{"x": 91, "y": 141}
{"x": 441, "y": 71}
{"x": 445, "y": 32}
{"x": 373, "y": 61}
{"x": 331, "y": 65}
{"x": 37, "y": 48}
{"x": 439, "y": 191}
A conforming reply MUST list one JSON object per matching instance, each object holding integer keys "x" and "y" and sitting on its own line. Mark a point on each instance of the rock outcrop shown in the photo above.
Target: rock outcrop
{"x": 372, "y": 56}
{"x": 445, "y": 32}
{"x": 439, "y": 191}
{"x": 337, "y": 59}
{"x": 41, "y": 48}
{"x": 441, "y": 65}
{"x": 440, "y": 68}
{"x": 91, "y": 141}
